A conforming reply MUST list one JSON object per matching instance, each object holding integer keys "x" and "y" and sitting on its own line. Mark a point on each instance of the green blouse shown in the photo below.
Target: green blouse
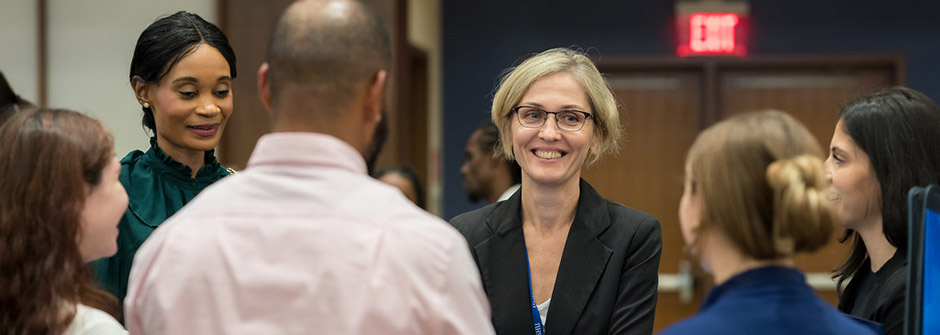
{"x": 157, "y": 186}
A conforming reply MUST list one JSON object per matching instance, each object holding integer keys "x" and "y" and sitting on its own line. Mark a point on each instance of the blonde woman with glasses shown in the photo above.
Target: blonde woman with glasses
{"x": 557, "y": 257}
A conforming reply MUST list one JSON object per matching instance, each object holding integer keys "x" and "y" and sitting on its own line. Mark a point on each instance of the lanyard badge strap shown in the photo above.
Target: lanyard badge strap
{"x": 536, "y": 318}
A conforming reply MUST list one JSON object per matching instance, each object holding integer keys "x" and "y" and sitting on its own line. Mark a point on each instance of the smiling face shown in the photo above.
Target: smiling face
{"x": 547, "y": 154}
{"x": 856, "y": 192}
{"x": 192, "y": 103}
{"x": 103, "y": 209}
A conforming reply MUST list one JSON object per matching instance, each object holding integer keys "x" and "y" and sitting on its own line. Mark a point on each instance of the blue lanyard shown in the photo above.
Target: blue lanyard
{"x": 536, "y": 318}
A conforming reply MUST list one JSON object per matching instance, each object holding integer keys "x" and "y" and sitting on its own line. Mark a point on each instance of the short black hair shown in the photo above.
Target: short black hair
{"x": 899, "y": 129}
{"x": 489, "y": 143}
{"x": 168, "y": 40}
{"x": 328, "y": 58}
{"x": 10, "y": 102}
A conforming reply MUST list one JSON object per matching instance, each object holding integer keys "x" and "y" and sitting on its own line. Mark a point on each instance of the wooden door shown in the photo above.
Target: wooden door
{"x": 666, "y": 103}
{"x": 660, "y": 116}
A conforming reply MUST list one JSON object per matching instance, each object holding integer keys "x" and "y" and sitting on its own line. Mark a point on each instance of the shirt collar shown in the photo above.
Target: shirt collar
{"x": 756, "y": 278}
{"x": 208, "y": 173}
{"x": 305, "y": 148}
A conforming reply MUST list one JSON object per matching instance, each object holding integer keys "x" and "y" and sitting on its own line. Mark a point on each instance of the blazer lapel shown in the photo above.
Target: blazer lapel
{"x": 502, "y": 264}
{"x": 582, "y": 262}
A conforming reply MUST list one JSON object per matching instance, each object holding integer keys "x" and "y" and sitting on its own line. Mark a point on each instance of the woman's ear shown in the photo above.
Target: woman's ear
{"x": 141, "y": 91}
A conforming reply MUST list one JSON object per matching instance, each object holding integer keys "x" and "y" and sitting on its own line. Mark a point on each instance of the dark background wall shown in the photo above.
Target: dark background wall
{"x": 484, "y": 37}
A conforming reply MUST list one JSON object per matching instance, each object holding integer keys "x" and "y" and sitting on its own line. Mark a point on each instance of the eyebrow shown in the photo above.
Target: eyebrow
{"x": 194, "y": 80}
{"x": 565, "y": 107}
{"x": 837, "y": 149}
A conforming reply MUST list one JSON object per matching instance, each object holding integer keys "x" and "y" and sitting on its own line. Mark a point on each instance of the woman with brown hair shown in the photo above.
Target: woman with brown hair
{"x": 755, "y": 194}
{"x": 61, "y": 203}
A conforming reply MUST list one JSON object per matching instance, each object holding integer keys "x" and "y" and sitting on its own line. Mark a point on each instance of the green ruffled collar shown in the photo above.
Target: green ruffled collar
{"x": 208, "y": 172}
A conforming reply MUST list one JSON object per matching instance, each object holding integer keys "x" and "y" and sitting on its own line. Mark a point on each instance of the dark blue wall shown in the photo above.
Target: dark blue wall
{"x": 484, "y": 37}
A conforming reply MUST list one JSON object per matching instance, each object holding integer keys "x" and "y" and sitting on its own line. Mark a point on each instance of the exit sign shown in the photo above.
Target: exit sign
{"x": 711, "y": 27}
{"x": 712, "y": 33}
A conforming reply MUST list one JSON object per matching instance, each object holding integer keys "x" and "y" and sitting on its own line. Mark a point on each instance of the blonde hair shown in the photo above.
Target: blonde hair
{"x": 516, "y": 82}
{"x": 763, "y": 183}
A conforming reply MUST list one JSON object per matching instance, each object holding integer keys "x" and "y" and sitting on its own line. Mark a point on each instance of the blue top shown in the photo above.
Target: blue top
{"x": 768, "y": 301}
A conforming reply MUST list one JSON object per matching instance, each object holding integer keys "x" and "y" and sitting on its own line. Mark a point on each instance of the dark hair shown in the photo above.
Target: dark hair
{"x": 328, "y": 57}
{"x": 899, "y": 129}
{"x": 47, "y": 157}
{"x": 412, "y": 177}
{"x": 168, "y": 40}
{"x": 489, "y": 143}
{"x": 9, "y": 101}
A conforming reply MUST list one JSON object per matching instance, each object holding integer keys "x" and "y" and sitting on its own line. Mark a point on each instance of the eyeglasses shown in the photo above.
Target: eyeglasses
{"x": 567, "y": 120}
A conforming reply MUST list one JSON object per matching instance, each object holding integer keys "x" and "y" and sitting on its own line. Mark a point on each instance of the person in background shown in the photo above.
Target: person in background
{"x": 884, "y": 144}
{"x": 487, "y": 175}
{"x": 755, "y": 195}
{"x": 61, "y": 204}
{"x": 406, "y": 180}
{"x": 557, "y": 257}
{"x": 181, "y": 74}
{"x": 304, "y": 240}
{"x": 10, "y": 102}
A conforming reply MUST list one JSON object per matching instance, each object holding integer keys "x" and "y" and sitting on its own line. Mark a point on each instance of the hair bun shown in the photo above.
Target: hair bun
{"x": 802, "y": 212}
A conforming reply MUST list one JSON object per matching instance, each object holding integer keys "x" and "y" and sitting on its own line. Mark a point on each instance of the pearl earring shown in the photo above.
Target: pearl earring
{"x": 146, "y": 105}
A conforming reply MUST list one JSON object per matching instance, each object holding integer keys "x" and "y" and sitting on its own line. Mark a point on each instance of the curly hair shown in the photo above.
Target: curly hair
{"x": 47, "y": 157}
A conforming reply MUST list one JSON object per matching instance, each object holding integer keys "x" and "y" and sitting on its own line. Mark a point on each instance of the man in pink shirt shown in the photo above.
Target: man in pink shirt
{"x": 303, "y": 240}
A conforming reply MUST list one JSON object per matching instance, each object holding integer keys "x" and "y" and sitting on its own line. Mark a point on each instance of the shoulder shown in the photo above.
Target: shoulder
{"x": 701, "y": 324}
{"x": 631, "y": 223}
{"x": 132, "y": 157}
{"x": 93, "y": 321}
{"x": 130, "y": 161}
{"x": 896, "y": 282}
{"x": 472, "y": 225}
{"x": 623, "y": 215}
{"x": 474, "y": 217}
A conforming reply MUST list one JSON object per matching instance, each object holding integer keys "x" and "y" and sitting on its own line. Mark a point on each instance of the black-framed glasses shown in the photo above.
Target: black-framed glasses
{"x": 567, "y": 120}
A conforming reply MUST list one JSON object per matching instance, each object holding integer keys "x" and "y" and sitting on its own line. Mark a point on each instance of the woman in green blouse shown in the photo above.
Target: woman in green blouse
{"x": 181, "y": 73}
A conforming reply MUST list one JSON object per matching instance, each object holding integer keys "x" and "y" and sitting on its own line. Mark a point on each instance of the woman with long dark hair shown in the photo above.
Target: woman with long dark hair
{"x": 884, "y": 144}
{"x": 61, "y": 203}
{"x": 181, "y": 74}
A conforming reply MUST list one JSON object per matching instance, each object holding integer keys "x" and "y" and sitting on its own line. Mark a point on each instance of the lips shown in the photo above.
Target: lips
{"x": 204, "y": 130}
{"x": 548, "y": 154}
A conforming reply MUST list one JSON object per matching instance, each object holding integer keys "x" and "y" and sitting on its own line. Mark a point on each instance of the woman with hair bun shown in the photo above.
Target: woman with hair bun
{"x": 181, "y": 73}
{"x": 755, "y": 194}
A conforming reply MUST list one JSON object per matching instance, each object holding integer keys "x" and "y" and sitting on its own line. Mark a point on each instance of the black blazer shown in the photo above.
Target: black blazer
{"x": 607, "y": 280}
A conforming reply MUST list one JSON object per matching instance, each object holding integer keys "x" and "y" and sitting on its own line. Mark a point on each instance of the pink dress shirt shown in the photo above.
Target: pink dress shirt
{"x": 304, "y": 242}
